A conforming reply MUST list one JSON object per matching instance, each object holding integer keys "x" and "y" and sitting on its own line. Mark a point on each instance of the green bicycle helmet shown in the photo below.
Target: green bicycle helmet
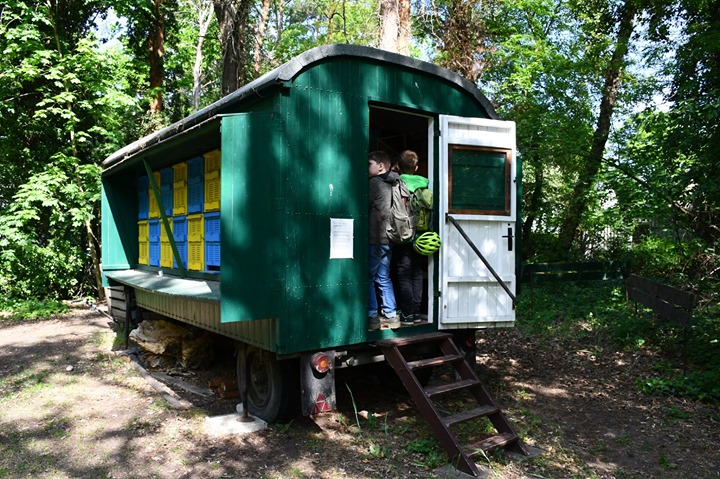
{"x": 427, "y": 243}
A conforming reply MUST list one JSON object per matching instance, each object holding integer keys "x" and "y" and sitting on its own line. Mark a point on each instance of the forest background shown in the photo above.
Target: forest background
{"x": 616, "y": 103}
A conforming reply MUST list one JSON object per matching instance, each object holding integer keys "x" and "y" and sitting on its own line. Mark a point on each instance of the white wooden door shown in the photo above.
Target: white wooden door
{"x": 478, "y": 189}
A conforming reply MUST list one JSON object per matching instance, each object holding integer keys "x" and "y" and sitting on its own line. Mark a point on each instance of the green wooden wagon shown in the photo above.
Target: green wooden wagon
{"x": 249, "y": 217}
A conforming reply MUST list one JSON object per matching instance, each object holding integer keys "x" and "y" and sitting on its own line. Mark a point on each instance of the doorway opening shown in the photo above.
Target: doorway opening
{"x": 393, "y": 132}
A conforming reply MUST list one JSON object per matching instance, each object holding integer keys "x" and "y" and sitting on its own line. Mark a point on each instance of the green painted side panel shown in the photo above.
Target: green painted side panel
{"x": 252, "y": 245}
{"x": 328, "y": 146}
{"x": 119, "y": 223}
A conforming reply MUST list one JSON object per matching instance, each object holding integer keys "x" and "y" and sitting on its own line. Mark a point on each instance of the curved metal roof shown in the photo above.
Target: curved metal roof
{"x": 288, "y": 72}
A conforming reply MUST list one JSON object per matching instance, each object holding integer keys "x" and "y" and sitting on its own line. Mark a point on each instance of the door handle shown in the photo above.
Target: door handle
{"x": 509, "y": 236}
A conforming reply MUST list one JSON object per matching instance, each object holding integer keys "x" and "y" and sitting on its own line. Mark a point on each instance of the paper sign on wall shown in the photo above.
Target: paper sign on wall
{"x": 341, "y": 238}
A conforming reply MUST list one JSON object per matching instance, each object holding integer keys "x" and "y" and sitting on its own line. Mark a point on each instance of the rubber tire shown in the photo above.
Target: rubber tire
{"x": 272, "y": 389}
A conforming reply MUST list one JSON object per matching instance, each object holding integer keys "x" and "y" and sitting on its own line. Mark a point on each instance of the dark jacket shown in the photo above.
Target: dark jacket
{"x": 379, "y": 201}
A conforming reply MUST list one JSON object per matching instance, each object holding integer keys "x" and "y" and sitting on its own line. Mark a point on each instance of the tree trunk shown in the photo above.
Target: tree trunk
{"x": 280, "y": 21}
{"x": 463, "y": 33}
{"x": 156, "y": 45}
{"x": 259, "y": 36}
{"x": 403, "y": 40}
{"x": 205, "y": 11}
{"x": 533, "y": 207}
{"x": 586, "y": 181}
{"x": 389, "y": 22}
{"x": 233, "y": 18}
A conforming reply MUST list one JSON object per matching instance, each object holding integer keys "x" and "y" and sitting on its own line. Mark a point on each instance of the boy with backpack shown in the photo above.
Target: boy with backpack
{"x": 409, "y": 264}
{"x": 380, "y": 185}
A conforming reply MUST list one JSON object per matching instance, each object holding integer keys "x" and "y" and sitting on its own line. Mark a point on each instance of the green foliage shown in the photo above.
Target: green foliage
{"x": 309, "y": 23}
{"x": 700, "y": 385}
{"x": 63, "y": 109}
{"x": 14, "y": 310}
{"x": 694, "y": 370}
{"x": 432, "y": 455}
{"x": 575, "y": 309}
{"x": 181, "y": 56}
{"x": 656, "y": 257}
{"x": 596, "y": 310}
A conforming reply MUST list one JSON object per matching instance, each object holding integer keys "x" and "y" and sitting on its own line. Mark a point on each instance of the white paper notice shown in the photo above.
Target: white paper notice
{"x": 341, "y": 238}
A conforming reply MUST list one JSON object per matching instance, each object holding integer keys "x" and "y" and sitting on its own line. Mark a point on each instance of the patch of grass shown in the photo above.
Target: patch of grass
{"x": 24, "y": 382}
{"x": 375, "y": 450}
{"x": 665, "y": 463}
{"x": 159, "y": 405}
{"x": 19, "y": 310}
{"x": 674, "y": 412}
{"x": 283, "y": 428}
{"x": 431, "y": 455}
{"x": 569, "y": 309}
{"x": 702, "y": 385}
{"x": 593, "y": 311}
{"x": 525, "y": 422}
{"x": 623, "y": 439}
{"x": 296, "y": 472}
{"x": 58, "y": 427}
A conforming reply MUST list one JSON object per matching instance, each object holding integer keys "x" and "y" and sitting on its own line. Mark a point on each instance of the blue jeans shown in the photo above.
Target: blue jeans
{"x": 379, "y": 275}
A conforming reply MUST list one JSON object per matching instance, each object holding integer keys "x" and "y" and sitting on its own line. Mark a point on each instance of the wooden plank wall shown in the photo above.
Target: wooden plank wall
{"x": 116, "y": 302}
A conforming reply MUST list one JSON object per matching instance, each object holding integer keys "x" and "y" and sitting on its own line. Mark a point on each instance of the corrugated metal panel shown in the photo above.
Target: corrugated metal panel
{"x": 206, "y": 315}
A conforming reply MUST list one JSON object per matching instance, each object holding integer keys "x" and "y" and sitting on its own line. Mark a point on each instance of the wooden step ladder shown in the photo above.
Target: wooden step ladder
{"x": 400, "y": 353}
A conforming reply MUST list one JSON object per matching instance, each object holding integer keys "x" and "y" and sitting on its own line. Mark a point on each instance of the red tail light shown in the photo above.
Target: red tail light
{"x": 320, "y": 362}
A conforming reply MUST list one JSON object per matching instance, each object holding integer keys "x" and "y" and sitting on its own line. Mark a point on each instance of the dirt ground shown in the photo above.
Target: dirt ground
{"x": 72, "y": 408}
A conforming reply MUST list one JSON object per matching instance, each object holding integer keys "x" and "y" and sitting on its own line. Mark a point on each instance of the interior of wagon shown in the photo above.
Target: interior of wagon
{"x": 395, "y": 131}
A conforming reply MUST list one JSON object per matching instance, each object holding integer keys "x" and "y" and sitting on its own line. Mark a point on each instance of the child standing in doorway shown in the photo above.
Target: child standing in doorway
{"x": 380, "y": 184}
{"x": 410, "y": 265}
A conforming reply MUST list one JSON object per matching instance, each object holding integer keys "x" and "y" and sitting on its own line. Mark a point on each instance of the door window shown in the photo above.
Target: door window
{"x": 479, "y": 180}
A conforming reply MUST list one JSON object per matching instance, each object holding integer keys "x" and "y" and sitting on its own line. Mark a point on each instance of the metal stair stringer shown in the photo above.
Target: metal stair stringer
{"x": 466, "y": 379}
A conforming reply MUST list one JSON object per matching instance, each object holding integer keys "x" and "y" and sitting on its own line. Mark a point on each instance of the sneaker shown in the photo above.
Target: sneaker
{"x": 391, "y": 323}
{"x": 417, "y": 319}
{"x": 373, "y": 323}
{"x": 406, "y": 320}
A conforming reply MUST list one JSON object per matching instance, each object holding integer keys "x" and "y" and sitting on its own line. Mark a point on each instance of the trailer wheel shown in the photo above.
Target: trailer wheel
{"x": 271, "y": 384}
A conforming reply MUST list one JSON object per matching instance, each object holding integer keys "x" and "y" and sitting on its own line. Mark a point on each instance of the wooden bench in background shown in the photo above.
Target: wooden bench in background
{"x": 585, "y": 271}
{"x": 668, "y": 303}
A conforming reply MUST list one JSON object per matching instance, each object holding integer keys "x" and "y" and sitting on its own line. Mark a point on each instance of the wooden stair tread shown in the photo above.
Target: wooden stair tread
{"x": 436, "y": 361}
{"x": 419, "y": 338}
{"x": 490, "y": 443}
{"x": 450, "y": 387}
{"x": 398, "y": 350}
{"x": 470, "y": 414}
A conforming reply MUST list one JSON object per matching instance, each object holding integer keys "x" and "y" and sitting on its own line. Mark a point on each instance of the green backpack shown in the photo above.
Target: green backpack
{"x": 421, "y": 202}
